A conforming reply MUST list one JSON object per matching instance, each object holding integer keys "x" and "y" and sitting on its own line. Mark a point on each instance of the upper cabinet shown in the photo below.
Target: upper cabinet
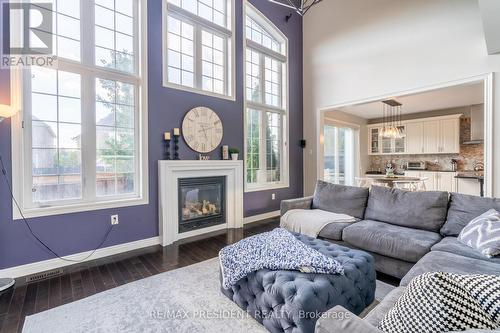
{"x": 437, "y": 135}
{"x": 415, "y": 139}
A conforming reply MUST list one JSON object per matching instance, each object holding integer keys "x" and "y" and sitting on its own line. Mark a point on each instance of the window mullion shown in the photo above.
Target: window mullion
{"x": 27, "y": 189}
{"x": 262, "y": 148}
{"x": 87, "y": 36}
{"x": 88, "y": 149}
{"x": 262, "y": 79}
{"x": 198, "y": 69}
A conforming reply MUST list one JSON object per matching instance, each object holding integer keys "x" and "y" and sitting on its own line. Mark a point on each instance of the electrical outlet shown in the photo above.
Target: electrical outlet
{"x": 114, "y": 219}
{"x": 273, "y": 196}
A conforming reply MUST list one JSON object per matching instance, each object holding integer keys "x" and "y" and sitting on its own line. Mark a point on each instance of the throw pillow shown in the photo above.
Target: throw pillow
{"x": 483, "y": 233}
{"x": 443, "y": 302}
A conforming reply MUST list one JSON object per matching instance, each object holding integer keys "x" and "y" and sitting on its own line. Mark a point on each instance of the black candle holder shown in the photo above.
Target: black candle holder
{"x": 167, "y": 150}
{"x": 176, "y": 147}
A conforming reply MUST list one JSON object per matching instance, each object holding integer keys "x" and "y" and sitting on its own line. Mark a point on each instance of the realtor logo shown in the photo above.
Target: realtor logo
{"x": 30, "y": 28}
{"x": 27, "y": 34}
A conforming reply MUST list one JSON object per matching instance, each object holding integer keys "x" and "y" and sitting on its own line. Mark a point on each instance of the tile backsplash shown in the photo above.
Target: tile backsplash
{"x": 468, "y": 156}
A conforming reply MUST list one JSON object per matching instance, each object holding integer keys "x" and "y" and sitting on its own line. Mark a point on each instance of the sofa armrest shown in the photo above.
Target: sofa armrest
{"x": 300, "y": 203}
{"x": 338, "y": 319}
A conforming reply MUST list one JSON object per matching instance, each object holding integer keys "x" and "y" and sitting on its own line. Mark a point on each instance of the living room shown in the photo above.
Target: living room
{"x": 151, "y": 150}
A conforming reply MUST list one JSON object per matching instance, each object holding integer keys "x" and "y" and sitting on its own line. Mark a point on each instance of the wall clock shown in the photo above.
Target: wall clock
{"x": 202, "y": 129}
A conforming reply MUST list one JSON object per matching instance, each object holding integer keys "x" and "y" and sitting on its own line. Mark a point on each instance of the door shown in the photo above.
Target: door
{"x": 449, "y": 136}
{"x": 414, "y": 138}
{"x": 430, "y": 181}
{"x": 340, "y": 155}
{"x": 431, "y": 136}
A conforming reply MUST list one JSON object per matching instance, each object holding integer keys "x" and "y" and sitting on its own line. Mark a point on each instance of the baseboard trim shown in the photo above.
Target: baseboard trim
{"x": 45, "y": 265}
{"x": 260, "y": 217}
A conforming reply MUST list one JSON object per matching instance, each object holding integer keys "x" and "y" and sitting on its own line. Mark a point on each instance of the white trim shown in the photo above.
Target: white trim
{"x": 42, "y": 266}
{"x": 285, "y": 86}
{"x": 21, "y": 175}
{"x": 256, "y": 187}
{"x": 260, "y": 217}
{"x": 169, "y": 172}
{"x": 77, "y": 208}
{"x": 486, "y": 78}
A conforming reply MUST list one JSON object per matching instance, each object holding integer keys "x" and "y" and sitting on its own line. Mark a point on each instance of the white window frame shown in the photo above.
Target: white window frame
{"x": 261, "y": 19}
{"x": 21, "y": 157}
{"x": 198, "y": 24}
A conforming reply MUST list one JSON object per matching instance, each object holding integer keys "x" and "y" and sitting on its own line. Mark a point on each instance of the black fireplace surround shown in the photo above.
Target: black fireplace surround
{"x": 202, "y": 202}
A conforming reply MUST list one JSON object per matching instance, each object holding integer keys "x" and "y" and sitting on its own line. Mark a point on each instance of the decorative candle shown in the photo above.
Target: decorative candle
{"x": 167, "y": 136}
{"x": 177, "y": 132}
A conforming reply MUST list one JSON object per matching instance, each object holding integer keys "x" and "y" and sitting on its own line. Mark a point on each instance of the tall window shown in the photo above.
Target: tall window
{"x": 197, "y": 45}
{"x": 82, "y": 118}
{"x": 266, "y": 103}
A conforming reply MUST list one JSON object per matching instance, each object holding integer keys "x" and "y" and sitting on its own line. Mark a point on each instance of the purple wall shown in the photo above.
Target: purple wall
{"x": 74, "y": 233}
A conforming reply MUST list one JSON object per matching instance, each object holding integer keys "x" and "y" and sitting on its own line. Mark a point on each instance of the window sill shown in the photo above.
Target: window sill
{"x": 198, "y": 91}
{"x": 77, "y": 208}
{"x": 258, "y": 188}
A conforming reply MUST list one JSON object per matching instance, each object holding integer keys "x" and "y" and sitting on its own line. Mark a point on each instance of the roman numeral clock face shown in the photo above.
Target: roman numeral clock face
{"x": 202, "y": 129}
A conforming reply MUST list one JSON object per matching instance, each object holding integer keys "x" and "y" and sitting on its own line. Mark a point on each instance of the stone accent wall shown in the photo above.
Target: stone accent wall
{"x": 469, "y": 154}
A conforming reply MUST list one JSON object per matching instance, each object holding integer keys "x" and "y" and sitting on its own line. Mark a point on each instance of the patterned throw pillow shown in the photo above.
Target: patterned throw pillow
{"x": 483, "y": 233}
{"x": 443, "y": 302}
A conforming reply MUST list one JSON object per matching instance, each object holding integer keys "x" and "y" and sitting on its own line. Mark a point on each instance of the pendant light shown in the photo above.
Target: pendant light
{"x": 392, "y": 128}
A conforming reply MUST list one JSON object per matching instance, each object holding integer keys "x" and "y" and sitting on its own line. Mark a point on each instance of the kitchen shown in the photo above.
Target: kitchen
{"x": 436, "y": 137}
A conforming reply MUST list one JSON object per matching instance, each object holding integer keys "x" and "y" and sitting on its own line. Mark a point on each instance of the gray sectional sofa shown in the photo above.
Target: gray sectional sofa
{"x": 408, "y": 233}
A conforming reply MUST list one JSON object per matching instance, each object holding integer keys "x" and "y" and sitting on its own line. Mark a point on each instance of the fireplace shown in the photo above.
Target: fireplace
{"x": 202, "y": 202}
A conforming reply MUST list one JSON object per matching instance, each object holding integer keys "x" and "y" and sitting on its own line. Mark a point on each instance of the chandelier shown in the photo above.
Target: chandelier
{"x": 299, "y": 6}
{"x": 392, "y": 128}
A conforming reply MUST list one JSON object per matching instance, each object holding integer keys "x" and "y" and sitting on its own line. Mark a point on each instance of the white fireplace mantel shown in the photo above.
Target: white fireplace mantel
{"x": 169, "y": 174}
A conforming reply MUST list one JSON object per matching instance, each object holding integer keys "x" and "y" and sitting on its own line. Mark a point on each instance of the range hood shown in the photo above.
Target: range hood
{"x": 476, "y": 125}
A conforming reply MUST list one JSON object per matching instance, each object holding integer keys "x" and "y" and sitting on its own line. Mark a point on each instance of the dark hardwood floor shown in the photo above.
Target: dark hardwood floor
{"x": 85, "y": 279}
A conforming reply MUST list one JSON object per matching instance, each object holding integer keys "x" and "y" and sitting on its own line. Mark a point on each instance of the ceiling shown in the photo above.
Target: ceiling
{"x": 446, "y": 98}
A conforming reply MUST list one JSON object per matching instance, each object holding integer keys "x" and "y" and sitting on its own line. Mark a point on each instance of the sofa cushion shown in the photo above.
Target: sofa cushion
{"x": 419, "y": 210}
{"x": 463, "y": 209}
{"x": 438, "y": 261}
{"x": 333, "y": 231}
{"x": 452, "y": 245}
{"x": 340, "y": 199}
{"x": 375, "y": 316}
{"x": 390, "y": 240}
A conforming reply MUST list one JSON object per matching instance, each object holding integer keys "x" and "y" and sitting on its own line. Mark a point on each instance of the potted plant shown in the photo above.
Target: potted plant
{"x": 234, "y": 153}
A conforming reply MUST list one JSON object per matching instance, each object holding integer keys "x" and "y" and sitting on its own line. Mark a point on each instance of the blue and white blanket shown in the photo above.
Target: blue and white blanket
{"x": 275, "y": 250}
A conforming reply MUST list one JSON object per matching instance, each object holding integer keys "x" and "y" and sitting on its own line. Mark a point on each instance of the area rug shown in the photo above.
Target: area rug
{"x": 185, "y": 300}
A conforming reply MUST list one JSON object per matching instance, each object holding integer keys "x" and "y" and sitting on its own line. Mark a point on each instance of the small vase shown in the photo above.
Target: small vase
{"x": 234, "y": 157}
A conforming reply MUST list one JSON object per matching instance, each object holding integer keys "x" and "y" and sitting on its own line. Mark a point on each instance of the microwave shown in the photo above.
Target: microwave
{"x": 416, "y": 165}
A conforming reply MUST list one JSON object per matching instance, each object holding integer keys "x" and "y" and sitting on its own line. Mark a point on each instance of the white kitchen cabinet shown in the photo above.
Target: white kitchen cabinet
{"x": 414, "y": 138}
{"x": 468, "y": 186}
{"x": 446, "y": 181}
{"x": 436, "y": 135}
{"x": 450, "y": 136}
{"x": 431, "y": 183}
{"x": 431, "y": 137}
{"x": 436, "y": 181}
{"x": 385, "y": 146}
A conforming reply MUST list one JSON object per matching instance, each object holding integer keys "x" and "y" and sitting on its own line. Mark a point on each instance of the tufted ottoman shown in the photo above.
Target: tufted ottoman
{"x": 291, "y": 301}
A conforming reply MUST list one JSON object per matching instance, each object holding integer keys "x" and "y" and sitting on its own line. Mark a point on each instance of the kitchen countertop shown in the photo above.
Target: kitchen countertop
{"x": 479, "y": 175}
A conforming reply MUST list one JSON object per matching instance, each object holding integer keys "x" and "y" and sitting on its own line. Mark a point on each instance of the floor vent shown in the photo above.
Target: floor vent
{"x": 44, "y": 275}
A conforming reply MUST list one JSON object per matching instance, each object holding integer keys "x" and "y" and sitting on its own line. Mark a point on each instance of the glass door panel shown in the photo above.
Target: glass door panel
{"x": 339, "y": 159}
